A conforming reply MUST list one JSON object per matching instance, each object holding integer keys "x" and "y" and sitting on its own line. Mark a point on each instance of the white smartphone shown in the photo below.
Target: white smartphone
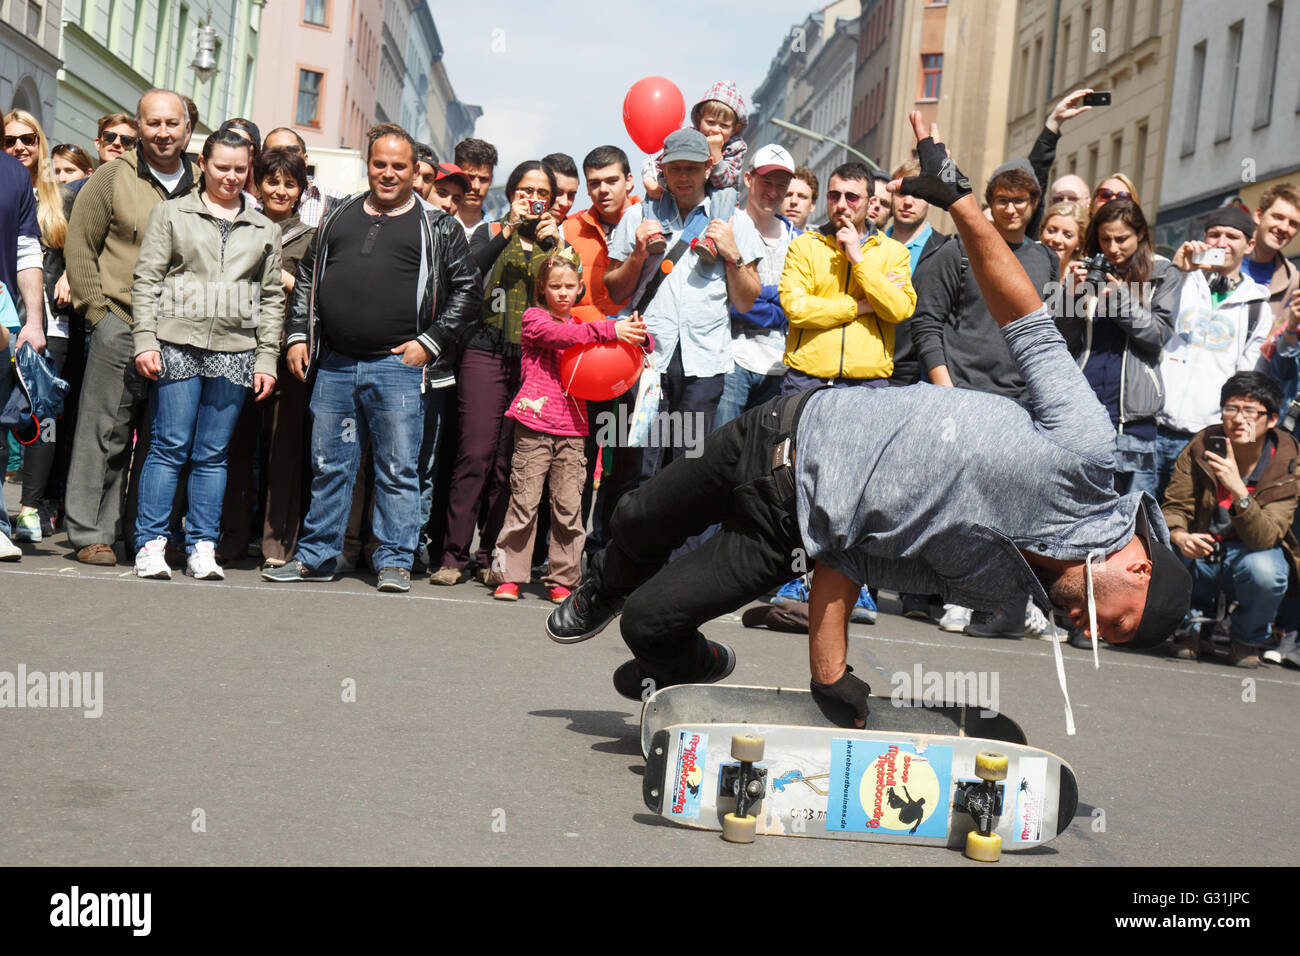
{"x": 1210, "y": 257}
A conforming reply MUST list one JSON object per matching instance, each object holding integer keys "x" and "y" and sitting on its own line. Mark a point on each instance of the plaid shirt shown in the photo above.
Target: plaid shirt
{"x": 312, "y": 205}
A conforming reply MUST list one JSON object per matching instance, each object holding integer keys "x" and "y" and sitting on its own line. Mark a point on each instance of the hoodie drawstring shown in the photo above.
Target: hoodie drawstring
{"x": 1057, "y": 637}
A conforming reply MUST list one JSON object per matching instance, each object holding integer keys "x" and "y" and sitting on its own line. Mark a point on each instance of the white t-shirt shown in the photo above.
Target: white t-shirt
{"x": 169, "y": 180}
{"x": 760, "y": 350}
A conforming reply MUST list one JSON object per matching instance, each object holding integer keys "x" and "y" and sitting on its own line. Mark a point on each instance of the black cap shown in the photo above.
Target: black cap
{"x": 1234, "y": 217}
{"x": 1169, "y": 594}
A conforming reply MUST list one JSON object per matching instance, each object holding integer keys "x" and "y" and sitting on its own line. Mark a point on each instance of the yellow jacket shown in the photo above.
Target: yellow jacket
{"x": 827, "y": 337}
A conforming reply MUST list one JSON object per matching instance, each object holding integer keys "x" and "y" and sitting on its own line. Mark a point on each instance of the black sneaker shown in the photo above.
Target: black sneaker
{"x": 295, "y": 571}
{"x": 634, "y": 682}
{"x": 583, "y": 615}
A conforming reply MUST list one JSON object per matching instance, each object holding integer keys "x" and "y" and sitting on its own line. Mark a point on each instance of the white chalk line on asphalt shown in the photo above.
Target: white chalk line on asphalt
{"x": 320, "y": 588}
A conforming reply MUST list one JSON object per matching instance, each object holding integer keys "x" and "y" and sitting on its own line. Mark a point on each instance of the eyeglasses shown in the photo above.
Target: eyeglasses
{"x": 126, "y": 139}
{"x": 1002, "y": 202}
{"x": 27, "y": 139}
{"x": 1064, "y": 197}
{"x": 834, "y": 196}
{"x": 1106, "y": 195}
{"x": 537, "y": 192}
{"x": 1236, "y": 411}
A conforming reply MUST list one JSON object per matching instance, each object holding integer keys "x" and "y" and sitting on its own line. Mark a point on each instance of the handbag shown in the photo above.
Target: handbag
{"x": 649, "y": 393}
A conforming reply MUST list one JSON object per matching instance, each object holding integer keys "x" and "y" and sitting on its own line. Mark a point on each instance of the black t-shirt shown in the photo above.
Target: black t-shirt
{"x": 369, "y": 295}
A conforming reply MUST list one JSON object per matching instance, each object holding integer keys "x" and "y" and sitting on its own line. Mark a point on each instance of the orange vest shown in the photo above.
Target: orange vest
{"x": 583, "y": 231}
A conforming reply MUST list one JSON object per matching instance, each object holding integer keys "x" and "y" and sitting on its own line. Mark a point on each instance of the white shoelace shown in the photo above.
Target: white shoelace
{"x": 1092, "y": 629}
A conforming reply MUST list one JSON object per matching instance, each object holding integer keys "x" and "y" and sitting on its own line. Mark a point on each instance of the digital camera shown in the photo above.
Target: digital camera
{"x": 1098, "y": 268}
{"x": 536, "y": 208}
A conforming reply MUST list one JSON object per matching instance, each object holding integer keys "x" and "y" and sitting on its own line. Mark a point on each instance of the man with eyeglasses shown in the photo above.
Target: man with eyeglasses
{"x": 1221, "y": 320}
{"x": 1070, "y": 188}
{"x": 316, "y": 199}
{"x": 104, "y": 234}
{"x": 1229, "y": 509}
{"x": 117, "y": 135}
{"x": 958, "y": 344}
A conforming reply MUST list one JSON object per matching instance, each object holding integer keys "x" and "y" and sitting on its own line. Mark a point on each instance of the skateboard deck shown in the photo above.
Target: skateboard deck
{"x": 873, "y": 786}
{"x": 739, "y": 704}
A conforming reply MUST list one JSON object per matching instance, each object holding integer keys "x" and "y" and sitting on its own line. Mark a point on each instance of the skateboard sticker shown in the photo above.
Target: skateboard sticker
{"x": 888, "y": 788}
{"x": 688, "y": 774}
{"x": 1031, "y": 790}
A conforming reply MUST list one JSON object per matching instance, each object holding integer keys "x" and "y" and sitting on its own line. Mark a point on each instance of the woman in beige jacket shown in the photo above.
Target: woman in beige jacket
{"x": 208, "y": 304}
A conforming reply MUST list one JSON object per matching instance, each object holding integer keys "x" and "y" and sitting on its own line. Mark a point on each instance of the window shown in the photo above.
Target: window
{"x": 1194, "y": 99}
{"x": 1140, "y": 158}
{"x": 1085, "y": 23}
{"x": 1117, "y": 151}
{"x": 1034, "y": 95}
{"x": 1154, "y": 29}
{"x": 1092, "y": 163}
{"x": 33, "y": 18}
{"x": 931, "y": 75}
{"x": 1065, "y": 52}
{"x": 309, "y": 87}
{"x": 1024, "y": 79}
{"x": 1268, "y": 66}
{"x": 1231, "y": 70}
{"x": 313, "y": 11}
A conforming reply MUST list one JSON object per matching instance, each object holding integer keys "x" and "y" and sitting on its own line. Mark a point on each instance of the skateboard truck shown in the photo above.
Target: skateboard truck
{"x": 983, "y": 801}
{"x": 747, "y": 783}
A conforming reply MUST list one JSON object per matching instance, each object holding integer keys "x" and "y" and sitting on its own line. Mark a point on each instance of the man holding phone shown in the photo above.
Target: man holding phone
{"x": 1221, "y": 319}
{"x": 1229, "y": 509}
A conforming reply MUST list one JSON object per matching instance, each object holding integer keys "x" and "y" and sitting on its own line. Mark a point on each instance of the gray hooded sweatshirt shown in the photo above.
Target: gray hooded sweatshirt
{"x": 927, "y": 489}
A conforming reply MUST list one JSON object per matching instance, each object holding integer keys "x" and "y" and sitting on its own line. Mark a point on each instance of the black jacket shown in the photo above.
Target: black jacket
{"x": 907, "y": 367}
{"x": 450, "y": 304}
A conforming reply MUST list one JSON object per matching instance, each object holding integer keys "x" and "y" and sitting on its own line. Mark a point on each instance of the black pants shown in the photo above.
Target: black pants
{"x": 755, "y": 550}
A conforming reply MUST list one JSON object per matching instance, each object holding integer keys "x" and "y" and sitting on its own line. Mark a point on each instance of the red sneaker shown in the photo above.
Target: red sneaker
{"x": 506, "y": 592}
{"x": 558, "y": 593}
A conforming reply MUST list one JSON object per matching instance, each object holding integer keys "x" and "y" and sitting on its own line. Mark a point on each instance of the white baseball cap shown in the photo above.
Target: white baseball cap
{"x": 770, "y": 158}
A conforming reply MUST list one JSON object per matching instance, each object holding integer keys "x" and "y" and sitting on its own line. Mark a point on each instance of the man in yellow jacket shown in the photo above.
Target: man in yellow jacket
{"x": 843, "y": 289}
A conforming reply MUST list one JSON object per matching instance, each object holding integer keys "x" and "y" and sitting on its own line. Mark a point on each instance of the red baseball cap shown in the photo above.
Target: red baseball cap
{"x": 452, "y": 171}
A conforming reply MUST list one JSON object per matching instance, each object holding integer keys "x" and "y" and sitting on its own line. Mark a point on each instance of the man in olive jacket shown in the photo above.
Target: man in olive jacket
{"x": 1229, "y": 514}
{"x": 104, "y": 236}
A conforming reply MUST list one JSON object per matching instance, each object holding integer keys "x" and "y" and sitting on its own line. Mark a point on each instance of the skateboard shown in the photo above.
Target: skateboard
{"x": 738, "y": 704}
{"x": 875, "y": 786}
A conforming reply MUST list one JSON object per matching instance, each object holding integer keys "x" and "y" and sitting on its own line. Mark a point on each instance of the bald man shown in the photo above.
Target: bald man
{"x": 1070, "y": 188}
{"x": 104, "y": 235}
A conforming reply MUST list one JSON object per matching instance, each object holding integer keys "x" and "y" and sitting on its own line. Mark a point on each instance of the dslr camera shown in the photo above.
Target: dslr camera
{"x": 1099, "y": 267}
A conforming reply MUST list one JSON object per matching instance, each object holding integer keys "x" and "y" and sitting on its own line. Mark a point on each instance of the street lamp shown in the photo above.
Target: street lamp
{"x": 205, "y": 61}
{"x": 820, "y": 138}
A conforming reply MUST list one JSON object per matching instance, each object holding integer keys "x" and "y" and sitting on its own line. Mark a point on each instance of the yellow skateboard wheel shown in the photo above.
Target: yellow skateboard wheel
{"x": 985, "y": 849}
{"x": 991, "y": 766}
{"x": 739, "y": 829}
{"x": 747, "y": 748}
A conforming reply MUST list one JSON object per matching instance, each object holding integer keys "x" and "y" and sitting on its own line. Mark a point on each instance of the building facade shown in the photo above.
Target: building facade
{"x": 1126, "y": 48}
{"x": 29, "y": 57}
{"x": 1234, "y": 118}
{"x": 114, "y": 51}
{"x": 825, "y": 95}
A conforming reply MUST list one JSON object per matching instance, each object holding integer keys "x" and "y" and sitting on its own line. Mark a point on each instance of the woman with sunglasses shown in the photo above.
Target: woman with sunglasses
{"x": 71, "y": 163}
{"x": 1116, "y": 334}
{"x": 208, "y": 304}
{"x": 489, "y": 372}
{"x": 25, "y": 141}
{"x": 1111, "y": 188}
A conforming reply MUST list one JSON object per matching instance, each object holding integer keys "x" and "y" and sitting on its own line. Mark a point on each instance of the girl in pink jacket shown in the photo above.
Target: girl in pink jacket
{"x": 550, "y": 432}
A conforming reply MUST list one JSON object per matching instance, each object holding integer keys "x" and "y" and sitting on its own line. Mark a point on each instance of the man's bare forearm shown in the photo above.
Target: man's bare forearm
{"x": 621, "y": 279}
{"x": 830, "y": 606}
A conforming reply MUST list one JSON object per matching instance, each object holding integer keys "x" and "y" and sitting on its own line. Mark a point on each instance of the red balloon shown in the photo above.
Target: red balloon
{"x": 652, "y": 109}
{"x": 598, "y": 371}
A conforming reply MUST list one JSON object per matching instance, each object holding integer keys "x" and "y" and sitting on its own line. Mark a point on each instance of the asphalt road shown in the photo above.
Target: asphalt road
{"x": 225, "y": 736}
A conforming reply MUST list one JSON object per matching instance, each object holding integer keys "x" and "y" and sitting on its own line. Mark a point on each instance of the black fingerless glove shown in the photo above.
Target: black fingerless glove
{"x": 847, "y": 690}
{"x": 941, "y": 183}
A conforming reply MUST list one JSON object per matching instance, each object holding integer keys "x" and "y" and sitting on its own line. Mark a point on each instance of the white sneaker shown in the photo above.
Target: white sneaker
{"x": 151, "y": 560}
{"x": 8, "y": 552}
{"x": 202, "y": 564}
{"x": 1037, "y": 625}
{"x": 954, "y": 618}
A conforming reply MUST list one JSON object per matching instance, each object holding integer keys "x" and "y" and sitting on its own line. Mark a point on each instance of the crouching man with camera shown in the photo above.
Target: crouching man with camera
{"x": 1229, "y": 508}
{"x": 1221, "y": 318}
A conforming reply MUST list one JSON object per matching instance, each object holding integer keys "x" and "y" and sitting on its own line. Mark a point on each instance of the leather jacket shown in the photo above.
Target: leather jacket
{"x": 450, "y": 305}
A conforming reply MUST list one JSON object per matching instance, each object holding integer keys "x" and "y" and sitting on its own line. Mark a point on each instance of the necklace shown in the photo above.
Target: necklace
{"x": 372, "y": 210}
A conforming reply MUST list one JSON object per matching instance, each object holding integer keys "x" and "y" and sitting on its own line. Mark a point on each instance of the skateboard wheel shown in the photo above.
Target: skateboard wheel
{"x": 985, "y": 849}
{"x": 739, "y": 829}
{"x": 747, "y": 748}
{"x": 991, "y": 766}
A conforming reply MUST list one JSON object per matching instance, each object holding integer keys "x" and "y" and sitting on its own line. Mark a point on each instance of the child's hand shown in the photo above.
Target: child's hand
{"x": 652, "y": 188}
{"x": 715, "y": 145}
{"x": 631, "y": 330}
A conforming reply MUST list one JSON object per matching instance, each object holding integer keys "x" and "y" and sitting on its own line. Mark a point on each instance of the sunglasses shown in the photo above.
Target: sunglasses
{"x": 108, "y": 139}
{"x": 1106, "y": 195}
{"x": 834, "y": 196}
{"x": 69, "y": 148}
{"x": 27, "y": 139}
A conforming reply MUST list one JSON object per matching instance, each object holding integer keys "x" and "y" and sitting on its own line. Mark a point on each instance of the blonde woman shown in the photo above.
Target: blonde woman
{"x": 1064, "y": 227}
{"x": 25, "y": 141}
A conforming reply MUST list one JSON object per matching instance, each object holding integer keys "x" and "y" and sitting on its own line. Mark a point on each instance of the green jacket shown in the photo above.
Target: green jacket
{"x": 188, "y": 290}
{"x": 104, "y": 232}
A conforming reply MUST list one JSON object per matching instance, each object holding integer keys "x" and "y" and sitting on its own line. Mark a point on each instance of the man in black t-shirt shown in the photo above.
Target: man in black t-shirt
{"x": 384, "y": 295}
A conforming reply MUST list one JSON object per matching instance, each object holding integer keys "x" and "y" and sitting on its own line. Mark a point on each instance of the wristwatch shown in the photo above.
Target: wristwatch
{"x": 1242, "y": 503}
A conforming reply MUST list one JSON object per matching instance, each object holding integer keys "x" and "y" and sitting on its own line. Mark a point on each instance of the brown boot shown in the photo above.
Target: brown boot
{"x": 1243, "y": 655}
{"x": 1186, "y": 645}
{"x": 97, "y": 554}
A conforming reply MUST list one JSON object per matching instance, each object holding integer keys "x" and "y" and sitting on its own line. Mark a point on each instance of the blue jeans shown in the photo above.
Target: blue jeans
{"x": 356, "y": 400}
{"x": 193, "y": 420}
{"x": 1256, "y": 579}
{"x": 1169, "y": 445}
{"x": 743, "y": 390}
{"x": 1137, "y": 465}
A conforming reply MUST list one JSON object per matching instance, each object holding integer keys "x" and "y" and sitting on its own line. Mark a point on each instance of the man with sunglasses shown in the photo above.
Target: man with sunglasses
{"x": 104, "y": 234}
{"x": 1229, "y": 508}
{"x": 117, "y": 135}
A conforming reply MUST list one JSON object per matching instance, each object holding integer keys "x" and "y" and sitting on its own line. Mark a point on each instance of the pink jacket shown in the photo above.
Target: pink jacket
{"x": 541, "y": 403}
